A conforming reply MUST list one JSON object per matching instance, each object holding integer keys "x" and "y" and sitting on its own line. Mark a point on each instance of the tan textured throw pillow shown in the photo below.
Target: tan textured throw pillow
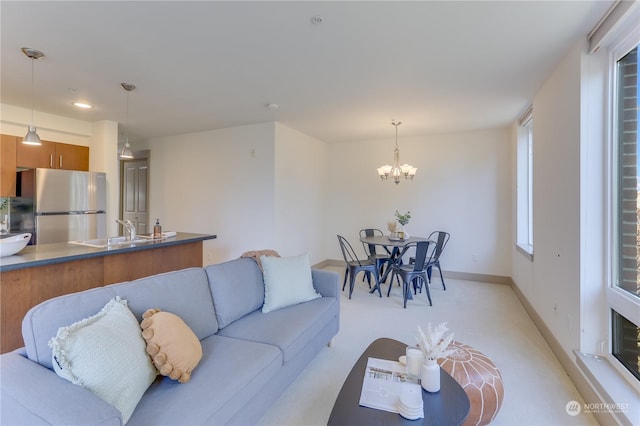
{"x": 174, "y": 348}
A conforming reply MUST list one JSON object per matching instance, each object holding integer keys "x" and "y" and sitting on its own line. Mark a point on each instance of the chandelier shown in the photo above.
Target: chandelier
{"x": 397, "y": 171}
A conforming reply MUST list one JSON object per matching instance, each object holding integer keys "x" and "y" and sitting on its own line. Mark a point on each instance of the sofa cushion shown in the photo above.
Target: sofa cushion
{"x": 290, "y": 329}
{"x": 237, "y": 289}
{"x": 287, "y": 281}
{"x": 42, "y": 321}
{"x": 231, "y": 374}
{"x": 31, "y": 394}
{"x": 185, "y": 293}
{"x": 173, "y": 347}
{"x": 106, "y": 355}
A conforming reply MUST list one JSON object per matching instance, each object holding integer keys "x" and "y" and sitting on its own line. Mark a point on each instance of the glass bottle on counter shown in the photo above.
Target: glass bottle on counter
{"x": 157, "y": 229}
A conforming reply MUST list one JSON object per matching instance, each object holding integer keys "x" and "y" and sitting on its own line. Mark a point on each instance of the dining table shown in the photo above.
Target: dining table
{"x": 394, "y": 247}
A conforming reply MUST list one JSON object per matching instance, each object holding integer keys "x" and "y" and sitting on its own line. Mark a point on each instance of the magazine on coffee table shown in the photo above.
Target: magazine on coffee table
{"x": 383, "y": 383}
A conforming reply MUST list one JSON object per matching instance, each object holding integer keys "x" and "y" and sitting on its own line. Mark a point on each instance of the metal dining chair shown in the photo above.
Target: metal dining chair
{"x": 441, "y": 238}
{"x": 355, "y": 266}
{"x": 413, "y": 273}
{"x": 381, "y": 259}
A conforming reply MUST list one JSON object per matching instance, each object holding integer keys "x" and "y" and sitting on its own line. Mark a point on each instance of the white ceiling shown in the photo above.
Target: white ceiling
{"x": 437, "y": 66}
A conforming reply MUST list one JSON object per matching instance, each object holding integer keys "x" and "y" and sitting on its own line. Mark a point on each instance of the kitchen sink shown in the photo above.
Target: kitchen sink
{"x": 112, "y": 242}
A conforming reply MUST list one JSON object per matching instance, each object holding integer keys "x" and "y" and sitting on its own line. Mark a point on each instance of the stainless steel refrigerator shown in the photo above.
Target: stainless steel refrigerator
{"x": 60, "y": 205}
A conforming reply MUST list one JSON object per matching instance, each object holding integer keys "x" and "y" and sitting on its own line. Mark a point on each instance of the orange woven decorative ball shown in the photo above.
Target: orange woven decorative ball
{"x": 480, "y": 379}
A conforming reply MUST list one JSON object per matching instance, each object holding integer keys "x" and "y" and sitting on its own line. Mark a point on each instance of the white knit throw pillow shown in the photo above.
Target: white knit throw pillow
{"x": 106, "y": 355}
{"x": 287, "y": 281}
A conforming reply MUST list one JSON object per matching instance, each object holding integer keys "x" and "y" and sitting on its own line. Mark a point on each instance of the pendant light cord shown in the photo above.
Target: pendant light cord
{"x": 126, "y": 139}
{"x": 32, "y": 103}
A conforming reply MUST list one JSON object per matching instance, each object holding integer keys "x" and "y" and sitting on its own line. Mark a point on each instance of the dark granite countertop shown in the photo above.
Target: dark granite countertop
{"x": 48, "y": 254}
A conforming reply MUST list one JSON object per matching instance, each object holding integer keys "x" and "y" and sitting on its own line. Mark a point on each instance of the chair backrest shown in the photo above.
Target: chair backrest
{"x": 423, "y": 255}
{"x": 370, "y": 249}
{"x": 441, "y": 238}
{"x": 347, "y": 251}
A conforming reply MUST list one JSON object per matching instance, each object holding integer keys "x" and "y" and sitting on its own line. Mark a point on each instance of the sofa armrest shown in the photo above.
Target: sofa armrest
{"x": 31, "y": 394}
{"x": 327, "y": 283}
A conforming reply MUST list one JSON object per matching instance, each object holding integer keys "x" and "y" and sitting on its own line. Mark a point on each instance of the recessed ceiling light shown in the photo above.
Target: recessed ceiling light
{"x": 273, "y": 107}
{"x": 316, "y": 19}
{"x": 82, "y": 105}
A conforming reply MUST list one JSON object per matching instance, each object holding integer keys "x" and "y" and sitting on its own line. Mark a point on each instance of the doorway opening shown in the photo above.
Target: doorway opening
{"x": 134, "y": 191}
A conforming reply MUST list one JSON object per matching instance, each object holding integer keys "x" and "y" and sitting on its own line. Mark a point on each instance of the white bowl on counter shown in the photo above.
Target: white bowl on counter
{"x": 12, "y": 245}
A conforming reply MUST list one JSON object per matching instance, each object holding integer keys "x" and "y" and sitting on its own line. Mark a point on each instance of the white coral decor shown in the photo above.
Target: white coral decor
{"x": 433, "y": 343}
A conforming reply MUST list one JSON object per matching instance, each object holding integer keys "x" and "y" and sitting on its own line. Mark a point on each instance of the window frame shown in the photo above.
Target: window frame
{"x": 524, "y": 184}
{"x": 617, "y": 299}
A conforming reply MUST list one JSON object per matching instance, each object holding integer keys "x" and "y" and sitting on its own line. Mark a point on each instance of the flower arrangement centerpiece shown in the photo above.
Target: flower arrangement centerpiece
{"x": 434, "y": 344}
{"x": 403, "y": 219}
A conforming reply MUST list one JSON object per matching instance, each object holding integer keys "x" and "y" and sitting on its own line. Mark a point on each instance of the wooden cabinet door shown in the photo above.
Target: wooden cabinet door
{"x": 31, "y": 156}
{"x": 8, "y": 166}
{"x": 72, "y": 157}
{"x": 52, "y": 155}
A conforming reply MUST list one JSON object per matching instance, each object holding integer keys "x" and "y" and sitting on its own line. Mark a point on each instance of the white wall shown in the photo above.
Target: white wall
{"x": 103, "y": 157}
{"x": 463, "y": 186}
{"x": 269, "y": 186}
{"x": 556, "y": 201}
{"x": 551, "y": 283}
{"x": 300, "y": 193}
{"x": 15, "y": 120}
{"x": 256, "y": 187}
{"x": 216, "y": 182}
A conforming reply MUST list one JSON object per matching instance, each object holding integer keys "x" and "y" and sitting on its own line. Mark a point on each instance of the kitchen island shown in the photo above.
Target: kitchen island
{"x": 44, "y": 271}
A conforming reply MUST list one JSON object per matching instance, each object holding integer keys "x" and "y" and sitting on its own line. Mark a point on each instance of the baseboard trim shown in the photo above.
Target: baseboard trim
{"x": 328, "y": 262}
{"x": 484, "y": 278}
{"x": 465, "y": 276}
{"x": 574, "y": 373}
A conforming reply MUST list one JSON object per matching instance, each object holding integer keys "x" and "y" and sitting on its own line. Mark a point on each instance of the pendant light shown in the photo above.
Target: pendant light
{"x": 126, "y": 153}
{"x": 32, "y": 138}
{"x": 397, "y": 171}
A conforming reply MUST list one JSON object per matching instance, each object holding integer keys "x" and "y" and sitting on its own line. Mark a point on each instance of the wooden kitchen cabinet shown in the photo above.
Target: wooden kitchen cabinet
{"x": 53, "y": 155}
{"x": 33, "y": 156}
{"x": 72, "y": 157}
{"x": 8, "y": 166}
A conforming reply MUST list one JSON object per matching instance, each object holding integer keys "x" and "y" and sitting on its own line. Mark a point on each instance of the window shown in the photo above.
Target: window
{"x": 624, "y": 292}
{"x": 524, "y": 174}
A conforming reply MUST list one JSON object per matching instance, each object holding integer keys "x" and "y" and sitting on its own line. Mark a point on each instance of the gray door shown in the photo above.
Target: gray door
{"x": 135, "y": 187}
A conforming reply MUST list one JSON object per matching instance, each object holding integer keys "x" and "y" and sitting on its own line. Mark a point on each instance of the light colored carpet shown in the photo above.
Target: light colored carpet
{"x": 486, "y": 316}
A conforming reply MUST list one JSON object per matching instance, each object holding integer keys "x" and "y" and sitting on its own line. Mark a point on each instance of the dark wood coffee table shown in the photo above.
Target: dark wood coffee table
{"x": 450, "y": 406}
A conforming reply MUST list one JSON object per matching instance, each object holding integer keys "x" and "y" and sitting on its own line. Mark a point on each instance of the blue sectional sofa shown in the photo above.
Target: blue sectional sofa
{"x": 249, "y": 357}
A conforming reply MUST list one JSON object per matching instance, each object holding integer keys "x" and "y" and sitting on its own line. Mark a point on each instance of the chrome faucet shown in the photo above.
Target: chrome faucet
{"x": 129, "y": 227}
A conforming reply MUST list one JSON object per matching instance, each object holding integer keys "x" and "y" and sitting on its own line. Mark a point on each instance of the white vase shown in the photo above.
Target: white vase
{"x": 430, "y": 376}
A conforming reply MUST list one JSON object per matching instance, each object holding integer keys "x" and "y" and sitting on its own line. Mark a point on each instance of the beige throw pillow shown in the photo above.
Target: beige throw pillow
{"x": 174, "y": 348}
